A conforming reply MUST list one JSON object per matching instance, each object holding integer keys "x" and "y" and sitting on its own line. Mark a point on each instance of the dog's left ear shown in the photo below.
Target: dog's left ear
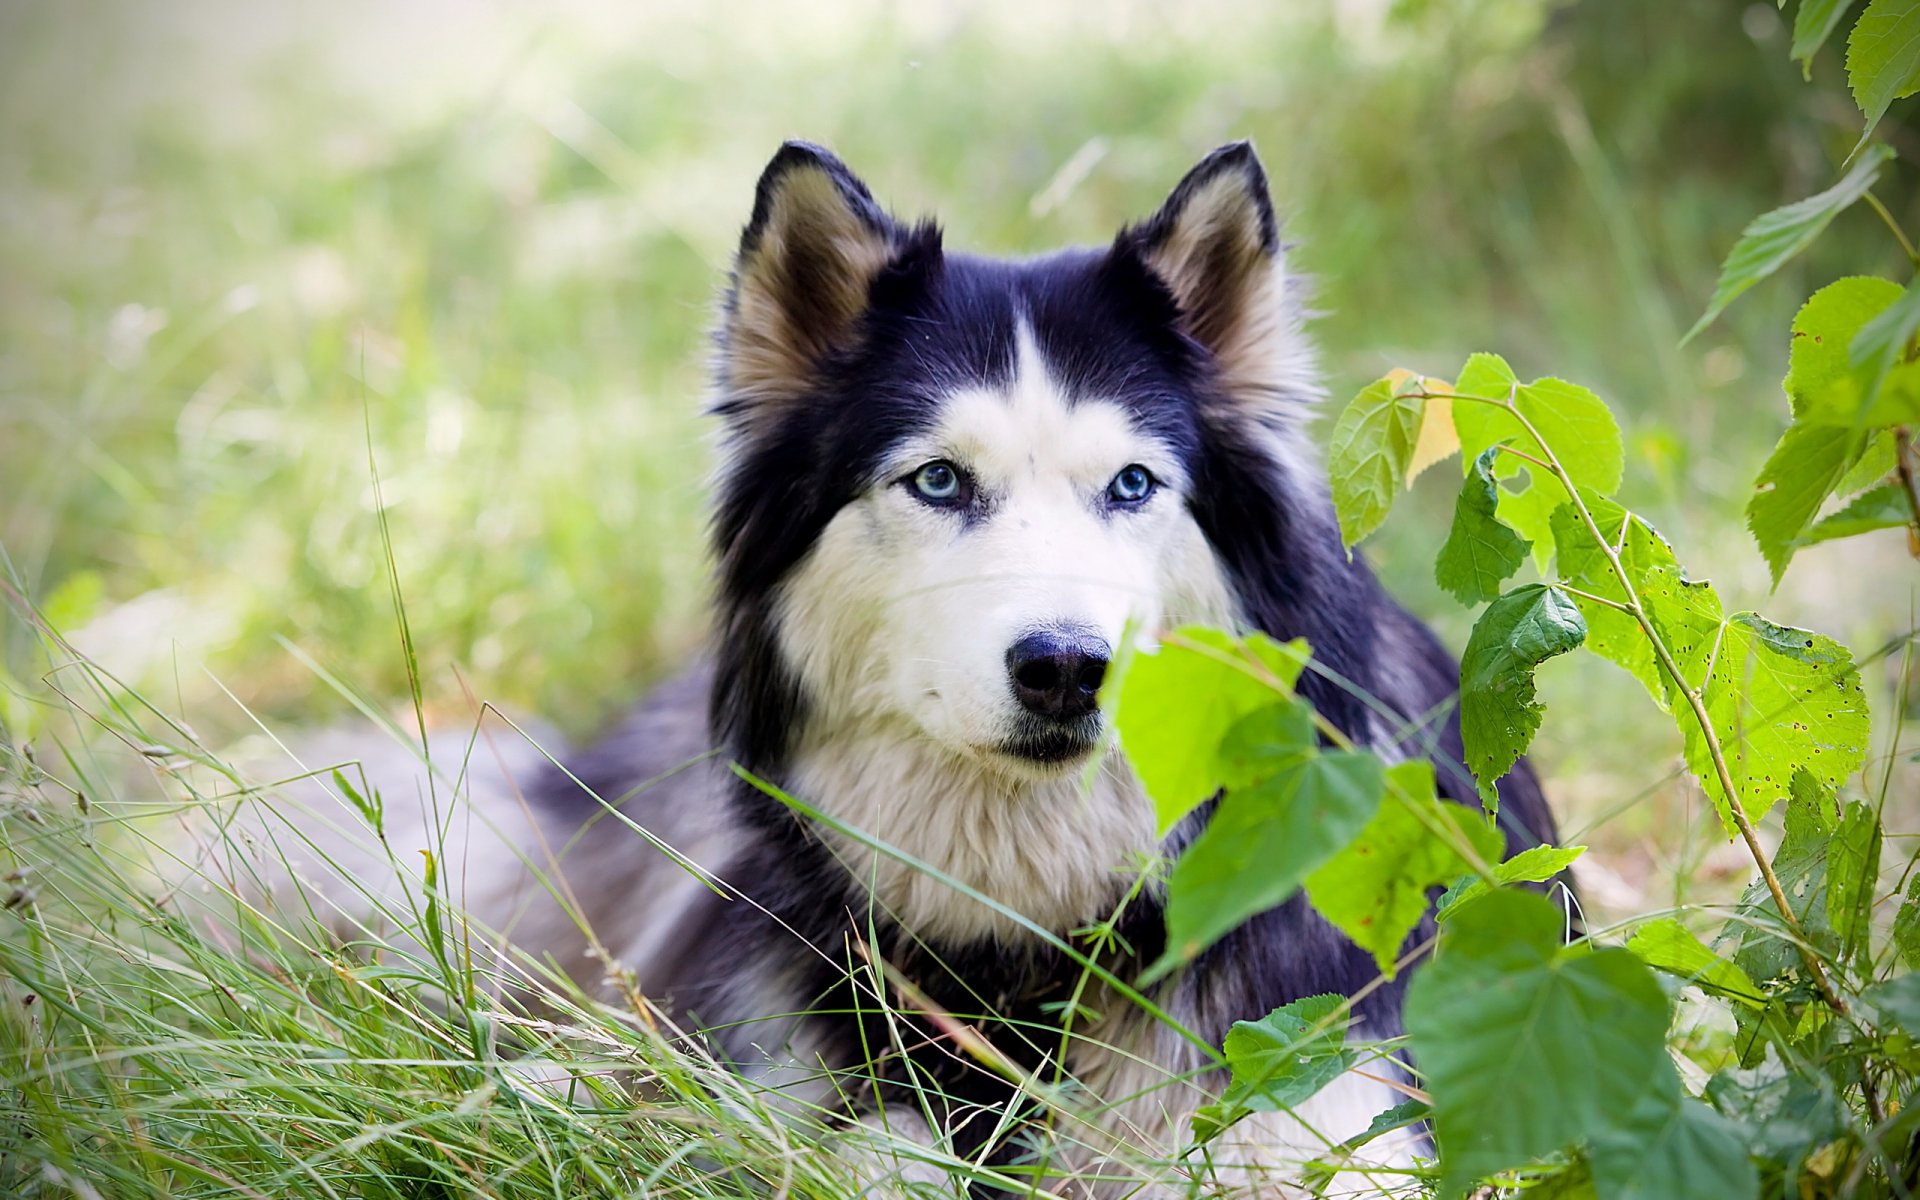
{"x": 1215, "y": 246}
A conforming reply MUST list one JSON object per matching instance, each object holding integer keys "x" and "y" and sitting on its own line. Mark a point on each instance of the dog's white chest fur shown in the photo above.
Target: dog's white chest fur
{"x": 1057, "y": 851}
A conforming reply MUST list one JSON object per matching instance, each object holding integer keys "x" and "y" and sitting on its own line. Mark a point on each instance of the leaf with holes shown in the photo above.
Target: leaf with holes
{"x": 1371, "y": 449}
{"x": 1498, "y": 712}
{"x": 1778, "y": 699}
{"x": 1821, "y": 384}
{"x": 1279, "y": 1061}
{"x": 1376, "y": 889}
{"x": 1773, "y": 238}
{"x": 1481, "y": 552}
{"x": 1177, "y": 703}
{"x": 1529, "y": 1048}
{"x": 1882, "y": 367}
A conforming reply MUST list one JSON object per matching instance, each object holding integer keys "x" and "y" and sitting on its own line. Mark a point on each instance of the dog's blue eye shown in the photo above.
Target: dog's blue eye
{"x": 1132, "y": 485}
{"x": 940, "y": 482}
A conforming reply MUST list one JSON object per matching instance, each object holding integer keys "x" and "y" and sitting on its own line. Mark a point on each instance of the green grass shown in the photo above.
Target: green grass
{"x": 241, "y": 256}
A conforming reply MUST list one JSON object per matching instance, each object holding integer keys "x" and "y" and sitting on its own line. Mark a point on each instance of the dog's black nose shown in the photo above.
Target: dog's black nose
{"x": 1057, "y": 673}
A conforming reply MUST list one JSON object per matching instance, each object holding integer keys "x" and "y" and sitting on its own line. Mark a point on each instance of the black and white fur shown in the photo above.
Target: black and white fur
{"x": 868, "y": 655}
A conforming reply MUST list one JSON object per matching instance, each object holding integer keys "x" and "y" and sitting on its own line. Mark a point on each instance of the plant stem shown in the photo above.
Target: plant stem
{"x": 1899, "y": 234}
{"x": 1697, "y": 703}
{"x": 1903, "y": 456}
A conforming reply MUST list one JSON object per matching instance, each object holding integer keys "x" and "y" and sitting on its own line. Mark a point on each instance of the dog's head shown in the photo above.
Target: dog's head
{"x": 949, "y": 483}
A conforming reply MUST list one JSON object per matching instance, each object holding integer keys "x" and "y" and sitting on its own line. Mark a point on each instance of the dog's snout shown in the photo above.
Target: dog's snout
{"x": 1057, "y": 673}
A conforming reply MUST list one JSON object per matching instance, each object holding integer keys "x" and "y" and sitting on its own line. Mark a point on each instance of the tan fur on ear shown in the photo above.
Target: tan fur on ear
{"x": 807, "y": 263}
{"x": 1211, "y": 255}
{"x": 1215, "y": 245}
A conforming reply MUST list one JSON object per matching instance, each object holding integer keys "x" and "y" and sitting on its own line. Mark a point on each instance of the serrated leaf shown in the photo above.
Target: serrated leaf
{"x": 1536, "y": 864}
{"x": 1800, "y": 864}
{"x": 1178, "y": 701}
{"x": 1883, "y": 59}
{"x": 1262, "y": 841}
{"x": 1771, "y": 239}
{"x": 1667, "y": 945}
{"x": 1498, "y": 713}
{"x": 1612, "y": 634}
{"x": 1813, "y": 25}
{"x": 1853, "y": 871}
{"x": 1573, "y": 421}
{"x": 1481, "y": 552}
{"x": 1369, "y": 453}
{"x": 1778, "y": 699}
{"x": 1375, "y": 890}
{"x": 1279, "y": 1062}
{"x": 1529, "y": 1048}
{"x": 1675, "y": 1149}
{"x": 1884, "y": 507}
{"x": 1887, "y": 395}
{"x": 1803, "y": 470}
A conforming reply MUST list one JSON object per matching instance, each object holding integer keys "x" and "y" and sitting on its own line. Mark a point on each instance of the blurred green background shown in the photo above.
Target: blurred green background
{"x": 245, "y": 247}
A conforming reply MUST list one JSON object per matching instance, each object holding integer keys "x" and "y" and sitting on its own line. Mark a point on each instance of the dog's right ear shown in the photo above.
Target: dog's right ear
{"x": 804, "y": 276}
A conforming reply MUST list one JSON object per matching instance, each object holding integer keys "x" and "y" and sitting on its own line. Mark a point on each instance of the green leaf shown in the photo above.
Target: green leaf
{"x": 1498, "y": 713}
{"x": 1853, "y": 871}
{"x": 1529, "y": 1048}
{"x": 1896, "y": 1002}
{"x": 1812, "y": 25}
{"x": 1785, "y": 1115}
{"x": 1666, "y": 945}
{"x": 1572, "y": 420}
{"x": 1369, "y": 453}
{"x": 1906, "y": 924}
{"x": 1263, "y": 840}
{"x": 1883, "y": 59}
{"x": 1877, "y": 353}
{"x": 1778, "y": 699}
{"x": 1178, "y": 702}
{"x": 1883, "y": 507}
{"x": 1612, "y": 634}
{"x": 1799, "y": 475}
{"x": 1800, "y": 864}
{"x": 1481, "y": 553}
{"x": 1676, "y": 1149}
{"x": 1279, "y": 1061}
{"x": 1265, "y": 741}
{"x": 1536, "y": 864}
{"x": 1375, "y": 890}
{"x": 1772, "y": 238}
{"x": 1876, "y": 464}
{"x": 1821, "y": 384}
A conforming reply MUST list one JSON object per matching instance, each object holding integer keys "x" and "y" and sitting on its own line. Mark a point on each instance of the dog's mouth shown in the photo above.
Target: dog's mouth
{"x": 1053, "y": 745}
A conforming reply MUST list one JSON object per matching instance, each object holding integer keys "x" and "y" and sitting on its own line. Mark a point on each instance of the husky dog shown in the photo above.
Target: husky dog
{"x": 947, "y": 483}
